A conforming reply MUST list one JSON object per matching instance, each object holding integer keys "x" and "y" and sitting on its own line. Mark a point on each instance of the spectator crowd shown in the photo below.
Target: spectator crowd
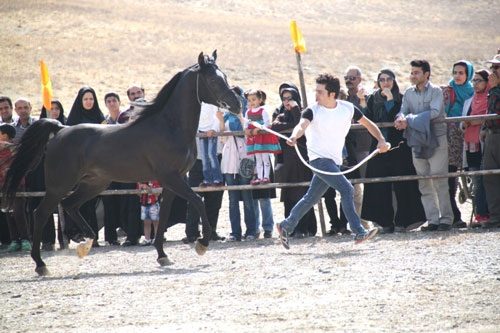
{"x": 421, "y": 147}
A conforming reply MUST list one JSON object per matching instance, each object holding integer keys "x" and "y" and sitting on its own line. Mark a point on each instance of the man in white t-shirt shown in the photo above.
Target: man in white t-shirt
{"x": 325, "y": 125}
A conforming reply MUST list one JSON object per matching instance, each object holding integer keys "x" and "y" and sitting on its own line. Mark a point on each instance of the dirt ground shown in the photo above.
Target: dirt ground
{"x": 412, "y": 282}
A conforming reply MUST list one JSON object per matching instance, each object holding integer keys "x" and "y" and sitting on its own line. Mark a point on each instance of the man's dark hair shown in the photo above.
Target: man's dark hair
{"x": 111, "y": 94}
{"x": 424, "y": 64}
{"x": 4, "y": 98}
{"x": 9, "y": 130}
{"x": 332, "y": 83}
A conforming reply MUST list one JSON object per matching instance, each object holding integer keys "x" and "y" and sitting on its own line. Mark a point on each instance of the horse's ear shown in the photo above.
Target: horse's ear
{"x": 214, "y": 55}
{"x": 201, "y": 60}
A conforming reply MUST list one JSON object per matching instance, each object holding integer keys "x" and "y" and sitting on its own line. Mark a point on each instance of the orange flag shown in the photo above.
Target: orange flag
{"x": 46, "y": 86}
{"x": 298, "y": 41}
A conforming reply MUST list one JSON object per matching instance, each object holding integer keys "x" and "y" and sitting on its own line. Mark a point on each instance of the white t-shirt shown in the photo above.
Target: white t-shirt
{"x": 208, "y": 118}
{"x": 328, "y": 128}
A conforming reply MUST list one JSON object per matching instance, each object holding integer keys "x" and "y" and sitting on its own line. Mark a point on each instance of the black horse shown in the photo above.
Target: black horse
{"x": 158, "y": 145}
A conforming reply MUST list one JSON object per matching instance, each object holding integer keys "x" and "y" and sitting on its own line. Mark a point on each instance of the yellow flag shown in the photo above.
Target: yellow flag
{"x": 298, "y": 41}
{"x": 46, "y": 86}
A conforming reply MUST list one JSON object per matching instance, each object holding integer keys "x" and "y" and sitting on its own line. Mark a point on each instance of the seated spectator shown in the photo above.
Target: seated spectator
{"x": 382, "y": 106}
{"x": 16, "y": 219}
{"x": 475, "y": 106}
{"x": 458, "y": 90}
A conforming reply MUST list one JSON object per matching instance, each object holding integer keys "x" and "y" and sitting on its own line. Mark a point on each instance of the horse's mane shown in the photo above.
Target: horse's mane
{"x": 161, "y": 98}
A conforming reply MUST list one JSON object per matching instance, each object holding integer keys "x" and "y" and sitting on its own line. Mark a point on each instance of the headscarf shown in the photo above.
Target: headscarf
{"x": 79, "y": 115}
{"x": 281, "y": 109}
{"x": 462, "y": 92}
{"x": 61, "y": 118}
{"x": 479, "y": 106}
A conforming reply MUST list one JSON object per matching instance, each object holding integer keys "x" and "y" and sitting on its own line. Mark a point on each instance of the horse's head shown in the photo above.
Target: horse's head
{"x": 212, "y": 86}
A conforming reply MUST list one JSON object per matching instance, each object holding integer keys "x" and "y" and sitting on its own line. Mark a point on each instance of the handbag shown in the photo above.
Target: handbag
{"x": 247, "y": 165}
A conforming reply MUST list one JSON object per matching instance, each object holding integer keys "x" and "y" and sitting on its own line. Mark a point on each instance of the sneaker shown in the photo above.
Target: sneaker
{"x": 232, "y": 238}
{"x": 25, "y": 245}
{"x": 283, "y": 236}
{"x": 146, "y": 242}
{"x": 479, "y": 220}
{"x": 204, "y": 185}
{"x": 250, "y": 238}
{"x": 14, "y": 246}
{"x": 218, "y": 184}
{"x": 366, "y": 235}
{"x": 268, "y": 234}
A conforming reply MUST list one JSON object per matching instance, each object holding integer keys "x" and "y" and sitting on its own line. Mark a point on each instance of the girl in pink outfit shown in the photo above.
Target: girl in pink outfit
{"x": 259, "y": 145}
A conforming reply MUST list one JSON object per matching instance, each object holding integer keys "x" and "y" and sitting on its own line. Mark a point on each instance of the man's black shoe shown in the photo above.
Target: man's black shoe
{"x": 459, "y": 224}
{"x": 490, "y": 224}
{"x": 444, "y": 227}
{"x": 387, "y": 230}
{"x": 128, "y": 242}
{"x": 216, "y": 237}
{"x": 430, "y": 227}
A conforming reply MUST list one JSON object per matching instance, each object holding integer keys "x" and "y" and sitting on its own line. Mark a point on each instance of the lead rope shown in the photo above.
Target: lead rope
{"x": 366, "y": 159}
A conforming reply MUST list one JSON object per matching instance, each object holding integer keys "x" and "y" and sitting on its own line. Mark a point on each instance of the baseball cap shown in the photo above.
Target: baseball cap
{"x": 495, "y": 60}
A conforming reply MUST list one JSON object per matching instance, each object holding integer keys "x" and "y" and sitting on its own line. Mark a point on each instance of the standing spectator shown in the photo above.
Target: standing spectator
{"x": 423, "y": 102}
{"x": 491, "y": 157}
{"x": 233, "y": 151}
{"x": 474, "y": 106}
{"x": 259, "y": 145}
{"x": 130, "y": 205}
{"x": 111, "y": 203}
{"x": 16, "y": 220}
{"x": 35, "y": 181}
{"x": 209, "y": 124}
{"x": 455, "y": 94}
{"x": 85, "y": 109}
{"x": 212, "y": 201}
{"x": 358, "y": 142}
{"x": 287, "y": 116}
{"x": 5, "y": 118}
{"x": 150, "y": 211}
{"x": 23, "y": 107}
{"x": 383, "y": 106}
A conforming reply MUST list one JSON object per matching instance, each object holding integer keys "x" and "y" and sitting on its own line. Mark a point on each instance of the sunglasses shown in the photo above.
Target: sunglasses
{"x": 350, "y": 78}
{"x": 478, "y": 81}
{"x": 383, "y": 79}
{"x": 495, "y": 67}
{"x": 287, "y": 99}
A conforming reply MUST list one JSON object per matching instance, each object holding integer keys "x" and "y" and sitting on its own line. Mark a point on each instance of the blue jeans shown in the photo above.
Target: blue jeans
{"x": 319, "y": 185}
{"x": 267, "y": 214}
{"x": 234, "y": 206}
{"x": 211, "y": 166}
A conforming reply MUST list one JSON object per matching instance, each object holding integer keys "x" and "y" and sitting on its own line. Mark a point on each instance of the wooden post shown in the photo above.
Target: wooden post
{"x": 304, "y": 99}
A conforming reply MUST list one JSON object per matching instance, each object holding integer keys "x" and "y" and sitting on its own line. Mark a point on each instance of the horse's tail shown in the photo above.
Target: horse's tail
{"x": 28, "y": 154}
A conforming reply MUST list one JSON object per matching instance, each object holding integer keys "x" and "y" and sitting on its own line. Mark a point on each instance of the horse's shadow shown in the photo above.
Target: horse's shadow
{"x": 84, "y": 276}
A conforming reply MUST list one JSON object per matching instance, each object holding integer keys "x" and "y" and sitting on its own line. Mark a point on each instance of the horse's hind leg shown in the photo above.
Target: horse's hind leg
{"x": 72, "y": 204}
{"x": 41, "y": 215}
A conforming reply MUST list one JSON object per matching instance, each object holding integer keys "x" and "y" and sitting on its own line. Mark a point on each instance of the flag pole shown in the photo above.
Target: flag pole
{"x": 301, "y": 79}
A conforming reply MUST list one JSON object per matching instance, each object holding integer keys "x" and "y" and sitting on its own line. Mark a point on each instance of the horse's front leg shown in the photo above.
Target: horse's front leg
{"x": 165, "y": 206}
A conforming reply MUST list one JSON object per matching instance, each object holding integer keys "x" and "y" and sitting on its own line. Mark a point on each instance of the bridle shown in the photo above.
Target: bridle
{"x": 220, "y": 103}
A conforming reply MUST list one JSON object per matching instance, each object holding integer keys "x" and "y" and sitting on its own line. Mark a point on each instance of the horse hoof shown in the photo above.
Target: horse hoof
{"x": 42, "y": 271}
{"x": 164, "y": 261}
{"x": 84, "y": 247}
{"x": 200, "y": 248}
